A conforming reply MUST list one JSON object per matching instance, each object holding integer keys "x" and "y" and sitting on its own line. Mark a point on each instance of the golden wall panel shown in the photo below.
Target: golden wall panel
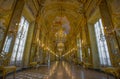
{"x": 114, "y": 6}
{"x": 6, "y": 9}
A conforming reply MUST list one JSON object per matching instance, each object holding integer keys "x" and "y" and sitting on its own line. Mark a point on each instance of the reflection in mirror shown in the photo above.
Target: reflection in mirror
{"x": 7, "y": 44}
{"x": 118, "y": 35}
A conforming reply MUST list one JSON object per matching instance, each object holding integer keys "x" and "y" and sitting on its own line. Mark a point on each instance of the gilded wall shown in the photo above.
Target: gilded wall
{"x": 114, "y": 6}
{"x": 110, "y": 15}
{"x": 6, "y": 9}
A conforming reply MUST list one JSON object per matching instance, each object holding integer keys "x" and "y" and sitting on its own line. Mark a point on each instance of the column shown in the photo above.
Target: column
{"x": 32, "y": 52}
{"x": 86, "y": 41}
{"x": 94, "y": 49}
{"x": 111, "y": 38}
{"x": 34, "y": 44}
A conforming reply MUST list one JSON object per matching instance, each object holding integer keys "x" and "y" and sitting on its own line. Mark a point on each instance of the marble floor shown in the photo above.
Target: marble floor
{"x": 60, "y": 70}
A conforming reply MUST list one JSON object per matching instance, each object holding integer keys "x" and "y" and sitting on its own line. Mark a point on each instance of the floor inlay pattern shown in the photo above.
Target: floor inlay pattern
{"x": 60, "y": 70}
{"x": 31, "y": 74}
{"x": 28, "y": 75}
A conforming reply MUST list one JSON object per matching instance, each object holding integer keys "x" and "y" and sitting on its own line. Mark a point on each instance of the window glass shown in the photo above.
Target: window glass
{"x": 7, "y": 44}
{"x": 102, "y": 44}
{"x": 19, "y": 45}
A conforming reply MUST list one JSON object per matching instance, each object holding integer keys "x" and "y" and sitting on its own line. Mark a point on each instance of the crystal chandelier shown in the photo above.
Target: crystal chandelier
{"x": 60, "y": 36}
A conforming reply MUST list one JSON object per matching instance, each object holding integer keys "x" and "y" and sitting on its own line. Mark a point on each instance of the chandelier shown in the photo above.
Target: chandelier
{"x": 60, "y": 46}
{"x": 60, "y": 36}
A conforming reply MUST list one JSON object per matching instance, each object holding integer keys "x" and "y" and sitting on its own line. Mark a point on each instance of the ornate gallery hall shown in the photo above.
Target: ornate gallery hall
{"x": 59, "y": 39}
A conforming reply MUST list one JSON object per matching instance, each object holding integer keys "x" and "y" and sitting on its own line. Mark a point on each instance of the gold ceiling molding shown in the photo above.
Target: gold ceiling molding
{"x": 73, "y": 20}
{"x": 71, "y": 15}
{"x": 4, "y": 12}
{"x": 60, "y": 8}
{"x": 69, "y": 5}
{"x": 66, "y": 1}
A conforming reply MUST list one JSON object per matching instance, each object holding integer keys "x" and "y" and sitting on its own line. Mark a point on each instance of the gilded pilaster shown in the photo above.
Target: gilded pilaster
{"x": 26, "y": 56}
{"x": 35, "y": 41}
{"x": 93, "y": 45}
{"x": 86, "y": 49}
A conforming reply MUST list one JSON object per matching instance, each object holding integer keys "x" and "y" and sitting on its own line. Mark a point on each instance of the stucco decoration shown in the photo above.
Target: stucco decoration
{"x": 115, "y": 12}
{"x": 115, "y": 8}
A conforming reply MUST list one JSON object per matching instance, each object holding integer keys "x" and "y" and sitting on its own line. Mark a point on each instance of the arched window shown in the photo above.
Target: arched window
{"x": 102, "y": 44}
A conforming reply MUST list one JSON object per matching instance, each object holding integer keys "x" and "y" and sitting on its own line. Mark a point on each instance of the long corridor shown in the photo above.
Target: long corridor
{"x": 60, "y": 70}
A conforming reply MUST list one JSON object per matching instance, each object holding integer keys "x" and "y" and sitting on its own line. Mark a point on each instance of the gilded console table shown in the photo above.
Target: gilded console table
{"x": 115, "y": 71}
{"x": 8, "y": 69}
{"x": 87, "y": 65}
{"x": 33, "y": 64}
